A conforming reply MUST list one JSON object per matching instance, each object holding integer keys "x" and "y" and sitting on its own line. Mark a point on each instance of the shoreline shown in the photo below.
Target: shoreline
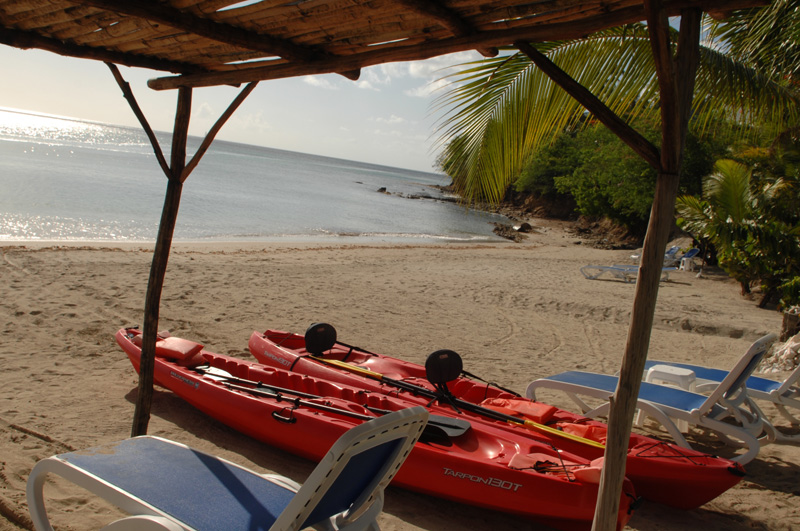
{"x": 514, "y": 312}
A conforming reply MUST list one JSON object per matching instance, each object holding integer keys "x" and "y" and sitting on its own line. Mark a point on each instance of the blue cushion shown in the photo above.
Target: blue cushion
{"x": 191, "y": 486}
{"x": 659, "y": 394}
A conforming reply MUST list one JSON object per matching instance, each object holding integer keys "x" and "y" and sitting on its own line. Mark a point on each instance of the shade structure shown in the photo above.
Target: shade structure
{"x": 198, "y": 43}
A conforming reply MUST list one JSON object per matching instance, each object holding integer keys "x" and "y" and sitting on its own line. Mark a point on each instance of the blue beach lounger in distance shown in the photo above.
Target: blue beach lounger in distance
{"x": 627, "y": 273}
{"x": 722, "y": 411}
{"x": 169, "y": 486}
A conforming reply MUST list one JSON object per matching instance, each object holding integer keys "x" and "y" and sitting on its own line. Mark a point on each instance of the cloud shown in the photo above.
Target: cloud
{"x": 434, "y": 68}
{"x": 373, "y": 78}
{"x": 382, "y": 132}
{"x": 393, "y": 119}
{"x": 319, "y": 82}
{"x": 426, "y": 90}
{"x": 205, "y": 111}
{"x": 251, "y": 121}
{"x": 366, "y": 85}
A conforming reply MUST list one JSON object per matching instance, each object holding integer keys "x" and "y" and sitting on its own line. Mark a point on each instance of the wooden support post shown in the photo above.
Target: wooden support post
{"x": 177, "y": 172}
{"x": 158, "y": 269}
{"x": 676, "y": 80}
{"x": 128, "y": 94}
{"x": 214, "y": 130}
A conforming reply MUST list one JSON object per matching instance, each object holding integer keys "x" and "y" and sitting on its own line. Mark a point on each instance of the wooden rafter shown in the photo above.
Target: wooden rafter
{"x": 448, "y": 18}
{"x": 217, "y": 31}
{"x": 380, "y": 55}
{"x": 424, "y": 50}
{"x": 28, "y": 40}
{"x": 272, "y": 40}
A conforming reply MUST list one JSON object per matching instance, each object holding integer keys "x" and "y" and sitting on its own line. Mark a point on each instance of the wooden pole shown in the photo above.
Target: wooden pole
{"x": 166, "y": 228}
{"x": 177, "y": 172}
{"x": 214, "y": 130}
{"x": 128, "y": 94}
{"x": 676, "y": 80}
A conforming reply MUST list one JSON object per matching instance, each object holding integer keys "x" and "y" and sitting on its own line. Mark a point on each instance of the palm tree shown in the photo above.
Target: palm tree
{"x": 498, "y": 112}
{"x": 767, "y": 37}
{"x": 736, "y": 215}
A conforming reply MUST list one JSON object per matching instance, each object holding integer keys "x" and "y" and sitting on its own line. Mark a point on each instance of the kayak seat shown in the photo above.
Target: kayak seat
{"x": 169, "y": 486}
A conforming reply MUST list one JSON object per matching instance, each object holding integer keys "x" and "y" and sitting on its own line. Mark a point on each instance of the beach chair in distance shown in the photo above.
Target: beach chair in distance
{"x": 728, "y": 411}
{"x": 626, "y": 273}
{"x": 683, "y": 260}
{"x": 783, "y": 395}
{"x": 669, "y": 255}
{"x": 169, "y": 486}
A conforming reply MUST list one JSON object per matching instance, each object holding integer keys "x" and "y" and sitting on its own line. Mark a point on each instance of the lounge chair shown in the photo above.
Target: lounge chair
{"x": 626, "y": 273}
{"x": 783, "y": 395}
{"x": 669, "y": 254}
{"x": 676, "y": 260}
{"x": 167, "y": 485}
{"x": 723, "y": 412}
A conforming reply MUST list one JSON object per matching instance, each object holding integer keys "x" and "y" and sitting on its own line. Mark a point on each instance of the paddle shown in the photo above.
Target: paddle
{"x": 432, "y": 431}
{"x": 451, "y": 427}
{"x": 320, "y": 337}
{"x": 469, "y": 406}
{"x": 444, "y": 366}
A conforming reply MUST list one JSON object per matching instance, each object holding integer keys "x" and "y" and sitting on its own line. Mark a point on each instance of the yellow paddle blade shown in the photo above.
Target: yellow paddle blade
{"x": 348, "y": 367}
{"x": 541, "y": 427}
{"x": 527, "y": 423}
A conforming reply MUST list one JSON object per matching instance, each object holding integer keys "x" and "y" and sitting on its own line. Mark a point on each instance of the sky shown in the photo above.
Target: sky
{"x": 386, "y": 117}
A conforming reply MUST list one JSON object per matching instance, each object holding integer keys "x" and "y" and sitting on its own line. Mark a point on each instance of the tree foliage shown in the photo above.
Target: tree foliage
{"x": 605, "y": 178}
{"x": 497, "y": 113}
{"x": 755, "y": 241}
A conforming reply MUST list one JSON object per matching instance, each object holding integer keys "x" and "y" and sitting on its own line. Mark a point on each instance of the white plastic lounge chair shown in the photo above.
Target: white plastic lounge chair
{"x": 783, "y": 395}
{"x": 167, "y": 485}
{"x": 665, "y": 403}
{"x": 669, "y": 254}
{"x": 627, "y": 273}
{"x": 675, "y": 260}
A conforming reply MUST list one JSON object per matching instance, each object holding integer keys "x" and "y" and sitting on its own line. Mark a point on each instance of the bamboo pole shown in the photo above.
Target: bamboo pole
{"x": 166, "y": 228}
{"x": 676, "y": 82}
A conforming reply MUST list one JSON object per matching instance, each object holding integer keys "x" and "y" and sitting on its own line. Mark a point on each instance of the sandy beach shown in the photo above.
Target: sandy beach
{"x": 514, "y": 312}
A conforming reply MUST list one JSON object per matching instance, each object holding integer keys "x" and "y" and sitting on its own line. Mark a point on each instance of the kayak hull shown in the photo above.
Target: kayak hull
{"x": 661, "y": 472}
{"x": 472, "y": 468}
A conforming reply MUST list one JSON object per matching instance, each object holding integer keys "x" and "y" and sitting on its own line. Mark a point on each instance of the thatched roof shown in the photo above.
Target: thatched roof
{"x": 228, "y": 42}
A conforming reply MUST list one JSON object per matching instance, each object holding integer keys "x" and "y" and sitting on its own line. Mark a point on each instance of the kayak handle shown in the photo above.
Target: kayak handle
{"x": 291, "y": 419}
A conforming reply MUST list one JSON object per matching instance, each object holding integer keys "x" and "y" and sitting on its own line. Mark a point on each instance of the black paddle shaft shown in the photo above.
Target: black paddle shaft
{"x": 451, "y": 426}
{"x": 446, "y": 426}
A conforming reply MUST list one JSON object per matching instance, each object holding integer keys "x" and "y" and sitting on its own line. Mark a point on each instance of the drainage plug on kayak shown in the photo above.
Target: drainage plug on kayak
{"x": 319, "y": 338}
{"x": 442, "y": 367}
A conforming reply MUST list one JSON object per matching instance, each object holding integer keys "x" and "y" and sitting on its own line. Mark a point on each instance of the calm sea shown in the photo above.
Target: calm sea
{"x": 65, "y": 179}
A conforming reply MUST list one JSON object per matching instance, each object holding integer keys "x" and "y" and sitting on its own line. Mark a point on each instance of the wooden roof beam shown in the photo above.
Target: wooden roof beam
{"x": 28, "y": 39}
{"x": 447, "y": 18}
{"x": 210, "y": 29}
{"x": 377, "y": 55}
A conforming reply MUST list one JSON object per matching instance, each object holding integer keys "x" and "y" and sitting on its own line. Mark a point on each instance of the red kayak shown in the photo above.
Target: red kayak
{"x": 660, "y": 471}
{"x": 468, "y": 462}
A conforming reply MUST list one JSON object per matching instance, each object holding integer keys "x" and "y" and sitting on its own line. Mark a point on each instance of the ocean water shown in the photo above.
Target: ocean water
{"x": 64, "y": 179}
